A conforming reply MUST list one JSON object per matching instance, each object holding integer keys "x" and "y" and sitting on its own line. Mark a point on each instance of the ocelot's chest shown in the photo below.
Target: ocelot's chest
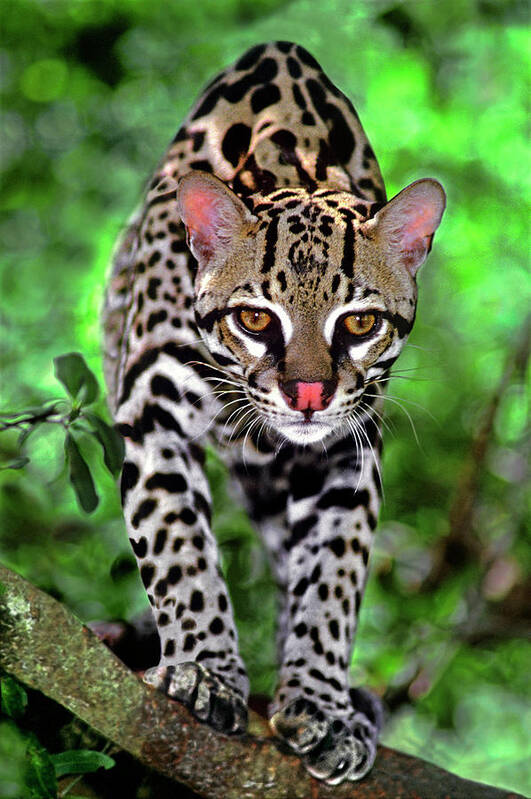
{"x": 276, "y": 120}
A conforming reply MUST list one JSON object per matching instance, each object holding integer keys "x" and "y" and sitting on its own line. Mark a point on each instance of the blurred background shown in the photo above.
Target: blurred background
{"x": 92, "y": 93}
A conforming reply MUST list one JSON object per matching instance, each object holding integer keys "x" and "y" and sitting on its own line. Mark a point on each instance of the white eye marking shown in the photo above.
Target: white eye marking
{"x": 357, "y": 351}
{"x": 276, "y": 310}
{"x": 256, "y": 348}
{"x": 358, "y": 306}
{"x": 392, "y": 352}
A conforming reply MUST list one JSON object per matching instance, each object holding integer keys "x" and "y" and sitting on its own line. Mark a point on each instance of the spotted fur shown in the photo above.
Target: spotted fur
{"x": 269, "y": 200}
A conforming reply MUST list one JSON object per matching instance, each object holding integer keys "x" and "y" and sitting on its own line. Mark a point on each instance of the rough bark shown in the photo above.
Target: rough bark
{"x": 47, "y": 648}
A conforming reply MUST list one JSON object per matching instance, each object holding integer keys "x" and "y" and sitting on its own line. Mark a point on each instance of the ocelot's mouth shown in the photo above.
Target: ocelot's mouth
{"x": 307, "y": 431}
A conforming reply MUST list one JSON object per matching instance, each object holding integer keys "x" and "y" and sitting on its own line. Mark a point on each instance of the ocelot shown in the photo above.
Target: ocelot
{"x": 258, "y": 300}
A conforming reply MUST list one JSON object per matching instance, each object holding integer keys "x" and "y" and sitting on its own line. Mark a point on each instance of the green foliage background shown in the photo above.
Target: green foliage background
{"x": 93, "y": 92}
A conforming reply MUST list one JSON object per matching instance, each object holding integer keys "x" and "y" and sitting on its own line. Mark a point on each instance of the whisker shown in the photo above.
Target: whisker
{"x": 376, "y": 460}
{"x": 219, "y": 394}
{"x": 239, "y": 428}
{"x": 210, "y": 424}
{"x": 252, "y": 424}
{"x": 380, "y": 416}
{"x": 359, "y": 449}
{"x": 222, "y": 380}
{"x": 410, "y": 402}
{"x": 282, "y": 442}
{"x": 406, "y": 412}
{"x": 239, "y": 421}
{"x": 225, "y": 392}
{"x": 220, "y": 410}
{"x": 210, "y": 366}
{"x": 417, "y": 347}
{"x": 212, "y": 379}
{"x": 400, "y": 377}
{"x": 228, "y": 375}
{"x": 189, "y": 343}
{"x": 263, "y": 426}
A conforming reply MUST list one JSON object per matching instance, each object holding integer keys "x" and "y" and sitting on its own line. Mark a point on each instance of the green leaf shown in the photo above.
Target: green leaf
{"x": 80, "y": 761}
{"x": 33, "y": 410}
{"x": 25, "y": 434}
{"x": 110, "y": 440}
{"x": 16, "y": 463}
{"x": 14, "y": 697}
{"x": 80, "y": 476}
{"x": 40, "y": 772}
{"x": 72, "y": 371}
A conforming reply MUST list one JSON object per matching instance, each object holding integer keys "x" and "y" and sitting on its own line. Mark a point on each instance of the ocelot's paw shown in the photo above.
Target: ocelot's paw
{"x": 203, "y": 693}
{"x": 332, "y": 750}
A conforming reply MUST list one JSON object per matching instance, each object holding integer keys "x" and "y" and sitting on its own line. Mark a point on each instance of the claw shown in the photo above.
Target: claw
{"x": 203, "y": 693}
{"x": 301, "y": 724}
{"x": 332, "y": 750}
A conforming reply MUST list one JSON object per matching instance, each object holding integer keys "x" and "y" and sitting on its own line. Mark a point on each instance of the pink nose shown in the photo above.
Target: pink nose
{"x": 308, "y": 397}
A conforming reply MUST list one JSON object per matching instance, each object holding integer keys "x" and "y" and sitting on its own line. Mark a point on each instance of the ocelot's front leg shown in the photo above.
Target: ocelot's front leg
{"x": 167, "y": 509}
{"x": 331, "y": 517}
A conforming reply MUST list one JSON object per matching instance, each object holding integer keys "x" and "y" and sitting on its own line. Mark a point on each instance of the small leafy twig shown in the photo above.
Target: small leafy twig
{"x": 76, "y": 418}
{"x": 44, "y": 769}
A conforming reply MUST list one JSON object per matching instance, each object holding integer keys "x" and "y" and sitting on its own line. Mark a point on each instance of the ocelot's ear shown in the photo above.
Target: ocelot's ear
{"x": 407, "y": 223}
{"x": 212, "y": 214}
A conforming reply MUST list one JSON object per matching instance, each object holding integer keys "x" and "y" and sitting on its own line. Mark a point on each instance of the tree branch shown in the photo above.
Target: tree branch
{"x": 459, "y": 544}
{"x": 47, "y": 648}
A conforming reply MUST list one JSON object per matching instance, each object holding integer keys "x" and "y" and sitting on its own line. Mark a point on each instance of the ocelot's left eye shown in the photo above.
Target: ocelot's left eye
{"x": 254, "y": 320}
{"x": 360, "y": 324}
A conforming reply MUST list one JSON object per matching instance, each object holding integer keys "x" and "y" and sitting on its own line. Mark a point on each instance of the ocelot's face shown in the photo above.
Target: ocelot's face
{"x": 304, "y": 304}
{"x": 304, "y": 355}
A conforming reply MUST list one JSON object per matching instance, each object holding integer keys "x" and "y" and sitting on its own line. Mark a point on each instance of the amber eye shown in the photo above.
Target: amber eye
{"x": 359, "y": 324}
{"x": 253, "y": 320}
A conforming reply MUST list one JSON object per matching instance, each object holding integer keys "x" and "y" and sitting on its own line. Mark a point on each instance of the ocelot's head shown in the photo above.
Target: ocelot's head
{"x": 308, "y": 300}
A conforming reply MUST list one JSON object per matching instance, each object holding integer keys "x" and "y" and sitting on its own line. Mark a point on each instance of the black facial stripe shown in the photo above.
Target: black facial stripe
{"x": 403, "y": 326}
{"x": 271, "y": 238}
{"x": 223, "y": 360}
{"x": 386, "y": 363}
{"x": 208, "y": 321}
{"x": 347, "y": 260}
{"x": 276, "y": 347}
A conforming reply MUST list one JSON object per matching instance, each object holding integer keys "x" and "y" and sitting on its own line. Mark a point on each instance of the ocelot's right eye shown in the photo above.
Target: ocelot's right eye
{"x": 360, "y": 324}
{"x": 254, "y": 320}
